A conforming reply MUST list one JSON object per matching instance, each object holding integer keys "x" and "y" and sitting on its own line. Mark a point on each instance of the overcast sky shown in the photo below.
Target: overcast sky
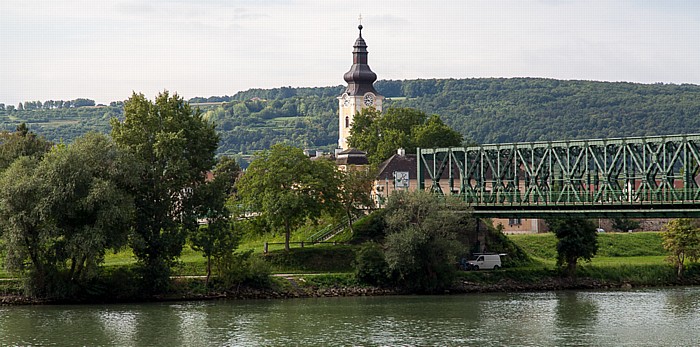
{"x": 104, "y": 50}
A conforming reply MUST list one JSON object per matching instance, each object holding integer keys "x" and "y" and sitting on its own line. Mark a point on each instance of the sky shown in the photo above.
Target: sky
{"x": 106, "y": 50}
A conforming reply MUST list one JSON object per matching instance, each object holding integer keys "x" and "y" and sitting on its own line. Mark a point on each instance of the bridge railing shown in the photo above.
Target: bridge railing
{"x": 617, "y": 197}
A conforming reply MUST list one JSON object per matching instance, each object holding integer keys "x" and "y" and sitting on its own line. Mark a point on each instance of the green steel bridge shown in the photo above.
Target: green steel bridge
{"x": 654, "y": 176}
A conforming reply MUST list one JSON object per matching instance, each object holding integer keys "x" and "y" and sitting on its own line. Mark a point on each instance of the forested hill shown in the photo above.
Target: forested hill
{"x": 484, "y": 110}
{"x": 528, "y": 109}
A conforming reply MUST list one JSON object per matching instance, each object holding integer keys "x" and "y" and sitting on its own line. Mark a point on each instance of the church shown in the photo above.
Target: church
{"x": 399, "y": 171}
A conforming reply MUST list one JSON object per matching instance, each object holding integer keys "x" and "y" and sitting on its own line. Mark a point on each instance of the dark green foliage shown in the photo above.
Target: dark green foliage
{"x": 483, "y": 110}
{"x": 577, "y": 240}
{"x": 287, "y": 188}
{"x": 370, "y": 266}
{"x": 217, "y": 240}
{"x": 381, "y": 134}
{"x": 624, "y": 224}
{"x": 59, "y": 215}
{"x": 171, "y": 147}
{"x": 243, "y": 268}
{"x": 317, "y": 259}
{"x": 422, "y": 243}
{"x": 21, "y": 142}
{"x": 497, "y": 242}
{"x": 370, "y": 228}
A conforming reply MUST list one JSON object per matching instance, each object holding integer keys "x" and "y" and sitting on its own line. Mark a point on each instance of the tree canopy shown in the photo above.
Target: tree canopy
{"x": 287, "y": 188}
{"x": 423, "y": 239}
{"x": 577, "y": 240}
{"x": 172, "y": 147}
{"x": 381, "y": 134}
{"x": 681, "y": 238}
{"x": 61, "y": 213}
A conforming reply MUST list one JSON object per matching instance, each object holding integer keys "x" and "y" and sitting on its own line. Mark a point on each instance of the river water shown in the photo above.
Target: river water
{"x": 646, "y": 317}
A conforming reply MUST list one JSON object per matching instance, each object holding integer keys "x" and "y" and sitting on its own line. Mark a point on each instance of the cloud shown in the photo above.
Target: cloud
{"x": 104, "y": 50}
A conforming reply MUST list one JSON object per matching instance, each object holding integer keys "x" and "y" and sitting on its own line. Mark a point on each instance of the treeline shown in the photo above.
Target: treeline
{"x": 529, "y": 109}
{"x": 48, "y": 104}
{"x": 484, "y": 110}
{"x": 63, "y": 206}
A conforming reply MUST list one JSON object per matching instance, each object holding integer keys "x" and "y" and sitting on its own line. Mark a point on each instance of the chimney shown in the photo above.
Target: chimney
{"x": 401, "y": 152}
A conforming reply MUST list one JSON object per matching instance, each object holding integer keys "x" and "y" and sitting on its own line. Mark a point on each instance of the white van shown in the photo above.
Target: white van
{"x": 485, "y": 262}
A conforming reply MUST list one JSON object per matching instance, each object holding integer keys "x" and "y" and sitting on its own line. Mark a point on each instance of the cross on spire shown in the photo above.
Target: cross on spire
{"x": 360, "y": 18}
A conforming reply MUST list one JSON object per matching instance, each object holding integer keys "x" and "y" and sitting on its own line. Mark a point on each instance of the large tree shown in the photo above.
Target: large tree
{"x": 172, "y": 148}
{"x": 681, "y": 238}
{"x": 59, "y": 215}
{"x": 577, "y": 241}
{"x": 287, "y": 188}
{"x": 381, "y": 134}
{"x": 423, "y": 239}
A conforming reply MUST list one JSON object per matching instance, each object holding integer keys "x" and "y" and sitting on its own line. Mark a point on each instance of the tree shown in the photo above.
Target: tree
{"x": 577, "y": 240}
{"x": 172, "y": 148}
{"x": 356, "y": 191}
{"x": 682, "y": 239}
{"x": 434, "y": 133}
{"x": 380, "y": 135}
{"x": 422, "y": 243}
{"x": 20, "y": 143}
{"x": 287, "y": 188}
{"x": 59, "y": 215}
{"x": 217, "y": 239}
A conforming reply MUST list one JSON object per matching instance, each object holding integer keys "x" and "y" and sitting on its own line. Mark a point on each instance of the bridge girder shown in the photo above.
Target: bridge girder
{"x": 655, "y": 176}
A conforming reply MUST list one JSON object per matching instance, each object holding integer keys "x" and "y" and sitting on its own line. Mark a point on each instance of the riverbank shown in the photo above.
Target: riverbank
{"x": 344, "y": 285}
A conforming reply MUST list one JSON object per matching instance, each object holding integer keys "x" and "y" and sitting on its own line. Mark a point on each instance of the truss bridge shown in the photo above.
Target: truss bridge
{"x": 654, "y": 176}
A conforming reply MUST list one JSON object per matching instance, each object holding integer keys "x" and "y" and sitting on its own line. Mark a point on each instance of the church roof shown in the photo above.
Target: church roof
{"x": 360, "y": 78}
{"x": 352, "y": 156}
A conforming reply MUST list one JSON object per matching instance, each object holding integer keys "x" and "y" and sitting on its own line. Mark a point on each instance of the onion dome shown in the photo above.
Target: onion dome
{"x": 360, "y": 78}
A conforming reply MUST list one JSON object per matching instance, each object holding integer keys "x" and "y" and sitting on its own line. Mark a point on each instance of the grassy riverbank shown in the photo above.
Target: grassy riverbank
{"x": 624, "y": 260}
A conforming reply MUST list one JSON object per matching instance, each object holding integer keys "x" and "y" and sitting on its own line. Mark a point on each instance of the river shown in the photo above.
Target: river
{"x": 644, "y": 317}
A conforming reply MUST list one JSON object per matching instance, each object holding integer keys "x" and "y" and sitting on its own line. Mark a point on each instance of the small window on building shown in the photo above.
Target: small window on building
{"x": 347, "y": 122}
{"x": 514, "y": 221}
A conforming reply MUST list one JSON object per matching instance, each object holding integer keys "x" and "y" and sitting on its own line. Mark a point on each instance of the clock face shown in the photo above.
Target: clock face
{"x": 369, "y": 99}
{"x": 346, "y": 100}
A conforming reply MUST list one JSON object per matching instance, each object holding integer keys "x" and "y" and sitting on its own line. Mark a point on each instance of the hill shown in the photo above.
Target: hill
{"x": 485, "y": 110}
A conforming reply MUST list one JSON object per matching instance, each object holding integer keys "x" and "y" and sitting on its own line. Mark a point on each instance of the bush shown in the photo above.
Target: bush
{"x": 421, "y": 262}
{"x": 317, "y": 258}
{"x": 624, "y": 224}
{"x": 370, "y": 266}
{"x": 423, "y": 239}
{"x": 500, "y": 243}
{"x": 244, "y": 268}
{"x": 370, "y": 228}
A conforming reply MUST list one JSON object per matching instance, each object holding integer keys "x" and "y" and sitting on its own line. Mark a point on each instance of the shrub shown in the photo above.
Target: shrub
{"x": 370, "y": 228}
{"x": 244, "y": 268}
{"x": 370, "y": 266}
{"x": 624, "y": 224}
{"x": 336, "y": 258}
{"x": 424, "y": 239}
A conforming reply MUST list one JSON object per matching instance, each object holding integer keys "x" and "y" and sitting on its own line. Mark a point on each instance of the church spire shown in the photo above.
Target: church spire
{"x": 360, "y": 78}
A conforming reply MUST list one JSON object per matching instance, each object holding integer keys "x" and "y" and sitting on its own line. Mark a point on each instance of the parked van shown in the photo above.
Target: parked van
{"x": 485, "y": 262}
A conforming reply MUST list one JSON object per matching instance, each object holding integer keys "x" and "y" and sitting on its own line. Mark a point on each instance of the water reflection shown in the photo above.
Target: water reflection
{"x": 653, "y": 317}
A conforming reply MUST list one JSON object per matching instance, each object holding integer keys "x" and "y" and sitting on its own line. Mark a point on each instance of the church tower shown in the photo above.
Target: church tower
{"x": 359, "y": 94}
